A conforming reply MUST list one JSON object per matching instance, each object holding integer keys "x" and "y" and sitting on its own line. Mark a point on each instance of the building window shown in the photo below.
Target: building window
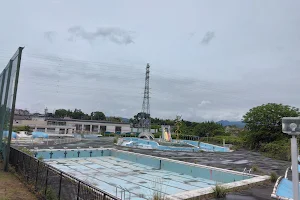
{"x": 118, "y": 129}
{"x": 51, "y": 130}
{"x": 102, "y": 129}
{"x": 78, "y": 126}
{"x": 55, "y": 123}
{"x": 87, "y": 127}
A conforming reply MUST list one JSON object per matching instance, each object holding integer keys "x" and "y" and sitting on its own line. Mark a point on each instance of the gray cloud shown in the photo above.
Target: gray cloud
{"x": 208, "y": 37}
{"x": 113, "y": 34}
{"x": 255, "y": 60}
{"x": 49, "y": 35}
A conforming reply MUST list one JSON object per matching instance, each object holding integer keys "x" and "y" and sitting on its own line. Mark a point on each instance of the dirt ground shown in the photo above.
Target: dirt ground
{"x": 11, "y": 188}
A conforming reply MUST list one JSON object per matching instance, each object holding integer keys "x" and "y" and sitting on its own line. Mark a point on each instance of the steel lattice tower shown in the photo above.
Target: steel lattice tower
{"x": 145, "y": 118}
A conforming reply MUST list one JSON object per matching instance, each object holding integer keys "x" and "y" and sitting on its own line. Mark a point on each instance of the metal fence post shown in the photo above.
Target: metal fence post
{"x": 3, "y": 74}
{"x": 15, "y": 88}
{"x": 37, "y": 174}
{"x": 46, "y": 181}
{"x": 18, "y": 161}
{"x": 27, "y": 171}
{"x": 59, "y": 189}
{"x": 78, "y": 190}
{"x": 4, "y": 110}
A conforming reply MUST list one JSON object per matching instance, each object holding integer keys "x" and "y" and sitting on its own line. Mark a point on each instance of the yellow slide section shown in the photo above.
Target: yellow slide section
{"x": 167, "y": 137}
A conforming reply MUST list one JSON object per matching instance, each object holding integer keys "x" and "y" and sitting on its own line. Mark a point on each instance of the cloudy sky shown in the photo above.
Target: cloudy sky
{"x": 209, "y": 60}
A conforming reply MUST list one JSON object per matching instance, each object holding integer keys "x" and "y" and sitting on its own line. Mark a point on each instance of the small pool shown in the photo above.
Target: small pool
{"x": 136, "y": 176}
{"x": 194, "y": 146}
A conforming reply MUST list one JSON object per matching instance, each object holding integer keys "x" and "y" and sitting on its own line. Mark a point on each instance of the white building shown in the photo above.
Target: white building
{"x": 69, "y": 126}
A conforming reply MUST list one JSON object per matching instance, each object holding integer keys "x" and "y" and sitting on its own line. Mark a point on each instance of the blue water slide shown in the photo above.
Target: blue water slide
{"x": 36, "y": 134}
{"x": 283, "y": 189}
{"x": 13, "y": 134}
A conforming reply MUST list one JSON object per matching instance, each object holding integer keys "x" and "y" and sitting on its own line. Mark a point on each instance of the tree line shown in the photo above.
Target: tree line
{"x": 78, "y": 114}
{"x": 200, "y": 129}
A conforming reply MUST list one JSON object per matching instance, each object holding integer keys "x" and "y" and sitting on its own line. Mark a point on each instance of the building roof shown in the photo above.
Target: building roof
{"x": 83, "y": 120}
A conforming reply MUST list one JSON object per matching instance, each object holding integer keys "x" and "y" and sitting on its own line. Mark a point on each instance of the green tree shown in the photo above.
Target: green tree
{"x": 264, "y": 124}
{"x": 86, "y": 117}
{"x": 137, "y": 118}
{"x": 114, "y": 119}
{"x": 98, "y": 115}
{"x": 21, "y": 128}
{"x": 203, "y": 128}
{"x": 60, "y": 113}
{"x": 267, "y": 117}
{"x": 78, "y": 114}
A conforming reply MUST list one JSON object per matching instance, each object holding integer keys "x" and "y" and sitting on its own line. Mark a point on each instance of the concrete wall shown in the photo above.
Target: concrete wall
{"x": 29, "y": 123}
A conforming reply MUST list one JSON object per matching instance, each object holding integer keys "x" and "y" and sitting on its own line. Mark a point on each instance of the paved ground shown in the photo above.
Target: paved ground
{"x": 237, "y": 160}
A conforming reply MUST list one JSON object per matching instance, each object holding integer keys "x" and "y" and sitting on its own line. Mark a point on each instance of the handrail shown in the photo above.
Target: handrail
{"x": 286, "y": 172}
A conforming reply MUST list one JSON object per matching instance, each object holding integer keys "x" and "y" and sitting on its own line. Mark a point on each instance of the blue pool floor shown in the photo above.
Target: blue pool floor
{"x": 139, "y": 181}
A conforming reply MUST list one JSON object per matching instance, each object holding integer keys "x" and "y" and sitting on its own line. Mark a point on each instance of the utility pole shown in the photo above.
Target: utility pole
{"x": 145, "y": 122}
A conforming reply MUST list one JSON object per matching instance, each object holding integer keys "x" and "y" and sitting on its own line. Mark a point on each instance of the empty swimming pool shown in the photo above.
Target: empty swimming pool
{"x": 136, "y": 176}
{"x": 190, "y": 145}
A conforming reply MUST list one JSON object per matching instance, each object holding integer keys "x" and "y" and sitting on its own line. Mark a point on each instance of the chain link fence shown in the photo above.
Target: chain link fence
{"x": 51, "y": 183}
{"x": 8, "y": 92}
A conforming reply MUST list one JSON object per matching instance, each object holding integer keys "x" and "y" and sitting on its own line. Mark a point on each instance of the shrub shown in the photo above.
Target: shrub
{"x": 27, "y": 151}
{"x": 219, "y": 191}
{"x": 278, "y": 149}
{"x": 21, "y": 128}
{"x": 273, "y": 177}
{"x": 220, "y": 132}
{"x": 40, "y": 158}
{"x": 158, "y": 196}
{"x": 116, "y": 139}
{"x": 50, "y": 194}
{"x": 255, "y": 168}
{"x": 228, "y": 139}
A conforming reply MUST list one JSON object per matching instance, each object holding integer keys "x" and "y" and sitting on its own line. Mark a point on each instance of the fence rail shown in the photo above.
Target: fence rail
{"x": 66, "y": 140}
{"x": 52, "y": 183}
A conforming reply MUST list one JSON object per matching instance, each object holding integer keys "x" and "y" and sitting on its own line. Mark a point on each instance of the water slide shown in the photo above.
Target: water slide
{"x": 148, "y": 136}
{"x": 166, "y": 134}
{"x": 13, "y": 135}
{"x": 39, "y": 135}
{"x": 23, "y": 134}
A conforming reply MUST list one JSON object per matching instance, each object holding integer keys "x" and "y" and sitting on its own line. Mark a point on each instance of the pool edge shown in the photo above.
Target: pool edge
{"x": 203, "y": 192}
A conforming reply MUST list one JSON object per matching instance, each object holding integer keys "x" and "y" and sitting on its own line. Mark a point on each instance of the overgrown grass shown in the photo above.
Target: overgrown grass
{"x": 280, "y": 149}
{"x": 158, "y": 196}
{"x": 27, "y": 151}
{"x": 116, "y": 139}
{"x": 158, "y": 193}
{"x": 50, "y": 194}
{"x": 228, "y": 139}
{"x": 273, "y": 177}
{"x": 219, "y": 191}
{"x": 40, "y": 158}
{"x": 255, "y": 168}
